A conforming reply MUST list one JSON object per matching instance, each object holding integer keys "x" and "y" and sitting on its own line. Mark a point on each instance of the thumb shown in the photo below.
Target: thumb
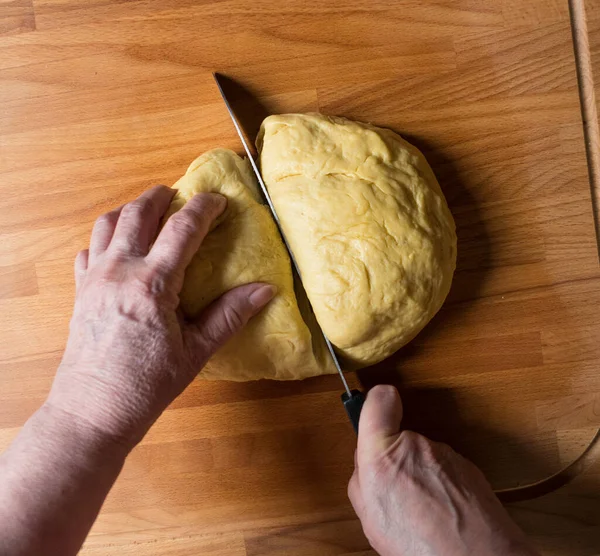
{"x": 223, "y": 318}
{"x": 380, "y": 420}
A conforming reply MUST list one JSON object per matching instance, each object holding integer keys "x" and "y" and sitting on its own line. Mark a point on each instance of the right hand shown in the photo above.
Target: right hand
{"x": 418, "y": 497}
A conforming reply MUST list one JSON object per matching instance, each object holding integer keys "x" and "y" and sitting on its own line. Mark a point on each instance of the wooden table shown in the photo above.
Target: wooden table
{"x": 101, "y": 99}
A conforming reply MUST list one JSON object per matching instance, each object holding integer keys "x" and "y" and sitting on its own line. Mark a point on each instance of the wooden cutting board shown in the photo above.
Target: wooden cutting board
{"x": 102, "y": 99}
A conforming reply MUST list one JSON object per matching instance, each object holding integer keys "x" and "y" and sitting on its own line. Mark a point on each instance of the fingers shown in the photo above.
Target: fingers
{"x": 102, "y": 233}
{"x": 138, "y": 222}
{"x": 379, "y": 422}
{"x": 81, "y": 264}
{"x": 223, "y": 318}
{"x": 183, "y": 234}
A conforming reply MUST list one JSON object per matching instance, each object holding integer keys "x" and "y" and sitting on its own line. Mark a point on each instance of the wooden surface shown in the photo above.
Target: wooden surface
{"x": 102, "y": 99}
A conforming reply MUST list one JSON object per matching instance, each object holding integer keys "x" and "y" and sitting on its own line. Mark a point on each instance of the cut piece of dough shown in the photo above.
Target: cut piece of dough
{"x": 245, "y": 246}
{"x": 368, "y": 224}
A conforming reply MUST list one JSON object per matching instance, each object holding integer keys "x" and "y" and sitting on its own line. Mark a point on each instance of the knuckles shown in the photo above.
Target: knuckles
{"x": 184, "y": 223}
{"x": 130, "y": 283}
{"x": 423, "y": 448}
{"x": 142, "y": 208}
{"x": 107, "y": 219}
{"x": 411, "y": 450}
{"x": 353, "y": 488}
{"x": 233, "y": 319}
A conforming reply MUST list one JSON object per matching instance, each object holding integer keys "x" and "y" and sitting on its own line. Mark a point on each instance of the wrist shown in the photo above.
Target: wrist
{"x": 116, "y": 414}
{"x": 55, "y": 476}
{"x": 60, "y": 431}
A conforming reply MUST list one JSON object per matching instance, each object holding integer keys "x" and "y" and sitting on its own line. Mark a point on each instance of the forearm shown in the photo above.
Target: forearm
{"x": 53, "y": 481}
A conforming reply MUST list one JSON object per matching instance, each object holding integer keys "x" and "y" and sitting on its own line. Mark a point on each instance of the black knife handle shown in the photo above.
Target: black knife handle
{"x": 353, "y": 405}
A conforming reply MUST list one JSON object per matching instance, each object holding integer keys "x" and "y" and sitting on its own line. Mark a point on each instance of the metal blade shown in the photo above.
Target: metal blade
{"x": 276, "y": 218}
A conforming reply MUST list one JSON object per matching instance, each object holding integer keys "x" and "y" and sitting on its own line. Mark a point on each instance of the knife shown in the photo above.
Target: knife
{"x": 353, "y": 400}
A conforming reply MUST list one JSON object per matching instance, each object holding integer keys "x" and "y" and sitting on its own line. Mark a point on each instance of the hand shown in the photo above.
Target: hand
{"x": 418, "y": 497}
{"x": 130, "y": 352}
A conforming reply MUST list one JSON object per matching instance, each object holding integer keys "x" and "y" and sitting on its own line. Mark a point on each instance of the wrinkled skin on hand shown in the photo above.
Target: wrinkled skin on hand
{"x": 416, "y": 497}
{"x": 130, "y": 351}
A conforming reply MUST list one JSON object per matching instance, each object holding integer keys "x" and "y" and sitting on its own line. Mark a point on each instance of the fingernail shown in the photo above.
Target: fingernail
{"x": 385, "y": 392}
{"x": 262, "y": 295}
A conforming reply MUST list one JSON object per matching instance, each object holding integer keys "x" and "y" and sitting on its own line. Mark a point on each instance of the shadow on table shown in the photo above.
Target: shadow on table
{"x": 566, "y": 521}
{"x": 249, "y": 111}
{"x": 435, "y": 412}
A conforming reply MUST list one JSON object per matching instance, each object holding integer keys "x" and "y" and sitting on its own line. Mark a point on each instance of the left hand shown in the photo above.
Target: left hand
{"x": 130, "y": 351}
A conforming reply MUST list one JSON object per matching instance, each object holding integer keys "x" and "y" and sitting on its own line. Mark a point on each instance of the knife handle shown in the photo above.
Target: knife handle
{"x": 353, "y": 405}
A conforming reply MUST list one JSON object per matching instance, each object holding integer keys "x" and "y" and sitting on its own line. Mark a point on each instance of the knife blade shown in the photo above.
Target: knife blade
{"x": 353, "y": 400}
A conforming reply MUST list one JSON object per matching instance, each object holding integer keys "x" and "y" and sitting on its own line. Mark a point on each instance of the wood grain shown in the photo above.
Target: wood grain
{"x": 587, "y": 96}
{"x": 102, "y": 99}
{"x": 16, "y": 16}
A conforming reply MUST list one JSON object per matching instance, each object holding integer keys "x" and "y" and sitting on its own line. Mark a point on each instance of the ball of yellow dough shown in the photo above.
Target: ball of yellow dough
{"x": 368, "y": 225}
{"x": 244, "y": 246}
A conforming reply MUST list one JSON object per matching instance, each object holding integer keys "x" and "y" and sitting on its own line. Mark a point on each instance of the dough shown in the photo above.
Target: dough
{"x": 368, "y": 224}
{"x": 245, "y": 246}
{"x": 370, "y": 229}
